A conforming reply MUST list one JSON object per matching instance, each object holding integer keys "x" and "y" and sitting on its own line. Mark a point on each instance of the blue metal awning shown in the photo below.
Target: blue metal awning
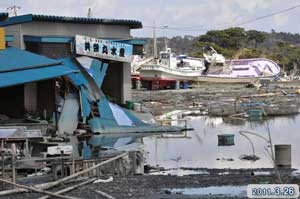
{"x": 13, "y": 59}
{"x": 31, "y": 75}
{"x": 19, "y": 67}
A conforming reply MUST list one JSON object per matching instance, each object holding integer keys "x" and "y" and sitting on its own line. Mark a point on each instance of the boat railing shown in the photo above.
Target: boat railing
{"x": 170, "y": 70}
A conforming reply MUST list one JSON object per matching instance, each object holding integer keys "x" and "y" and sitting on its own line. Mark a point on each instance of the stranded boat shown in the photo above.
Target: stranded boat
{"x": 242, "y": 71}
{"x": 169, "y": 71}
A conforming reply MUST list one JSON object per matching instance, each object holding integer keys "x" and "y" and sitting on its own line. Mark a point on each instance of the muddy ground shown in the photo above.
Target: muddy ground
{"x": 153, "y": 187}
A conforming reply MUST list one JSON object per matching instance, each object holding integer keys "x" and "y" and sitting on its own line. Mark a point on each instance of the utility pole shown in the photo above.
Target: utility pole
{"x": 89, "y": 15}
{"x": 14, "y": 9}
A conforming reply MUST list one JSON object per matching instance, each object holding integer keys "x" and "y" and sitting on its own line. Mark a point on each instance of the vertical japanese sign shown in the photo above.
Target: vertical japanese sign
{"x": 102, "y": 48}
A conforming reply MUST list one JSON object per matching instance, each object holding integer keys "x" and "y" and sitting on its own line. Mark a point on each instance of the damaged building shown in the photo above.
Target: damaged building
{"x": 63, "y": 81}
{"x": 53, "y": 36}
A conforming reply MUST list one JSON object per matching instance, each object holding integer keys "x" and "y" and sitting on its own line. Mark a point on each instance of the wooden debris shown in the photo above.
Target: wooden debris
{"x": 55, "y": 183}
{"x": 38, "y": 190}
{"x": 52, "y": 184}
{"x": 38, "y": 186}
{"x": 71, "y": 188}
{"x": 105, "y": 195}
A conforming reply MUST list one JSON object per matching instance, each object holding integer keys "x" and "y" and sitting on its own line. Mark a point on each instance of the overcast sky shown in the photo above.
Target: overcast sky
{"x": 188, "y": 17}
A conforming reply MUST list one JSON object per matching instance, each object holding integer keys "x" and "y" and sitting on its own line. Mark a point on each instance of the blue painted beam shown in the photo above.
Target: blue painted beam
{"x": 9, "y": 38}
{"x": 48, "y": 39}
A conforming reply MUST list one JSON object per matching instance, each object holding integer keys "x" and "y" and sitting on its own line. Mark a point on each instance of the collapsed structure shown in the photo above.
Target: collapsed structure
{"x": 55, "y": 86}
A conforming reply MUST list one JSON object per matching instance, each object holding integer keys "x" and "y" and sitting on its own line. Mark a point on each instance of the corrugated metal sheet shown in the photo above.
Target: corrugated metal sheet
{"x": 113, "y": 120}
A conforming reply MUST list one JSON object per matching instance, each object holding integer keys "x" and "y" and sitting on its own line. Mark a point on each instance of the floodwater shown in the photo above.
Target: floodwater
{"x": 199, "y": 149}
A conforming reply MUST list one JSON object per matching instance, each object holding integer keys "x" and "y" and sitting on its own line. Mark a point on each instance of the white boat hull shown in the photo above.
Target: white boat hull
{"x": 230, "y": 80}
{"x": 149, "y": 72}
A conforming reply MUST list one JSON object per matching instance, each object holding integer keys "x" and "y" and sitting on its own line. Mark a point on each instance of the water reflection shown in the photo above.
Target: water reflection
{"x": 202, "y": 150}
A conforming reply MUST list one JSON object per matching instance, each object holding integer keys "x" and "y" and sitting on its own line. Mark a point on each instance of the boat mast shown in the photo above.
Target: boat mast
{"x": 165, "y": 38}
{"x": 89, "y": 14}
{"x": 154, "y": 42}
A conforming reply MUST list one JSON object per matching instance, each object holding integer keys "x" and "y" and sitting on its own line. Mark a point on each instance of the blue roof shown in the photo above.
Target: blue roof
{"x": 19, "y": 67}
{"x": 32, "y": 75}
{"x": 133, "y": 24}
{"x": 15, "y": 59}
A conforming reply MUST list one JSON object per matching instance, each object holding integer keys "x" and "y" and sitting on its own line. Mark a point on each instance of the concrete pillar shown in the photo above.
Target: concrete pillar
{"x": 126, "y": 82}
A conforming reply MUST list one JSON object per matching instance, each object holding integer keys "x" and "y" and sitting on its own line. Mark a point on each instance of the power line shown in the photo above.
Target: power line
{"x": 196, "y": 28}
{"x": 175, "y": 28}
{"x": 268, "y": 15}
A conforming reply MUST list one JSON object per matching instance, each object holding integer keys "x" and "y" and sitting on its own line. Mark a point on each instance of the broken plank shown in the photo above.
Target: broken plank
{"x": 38, "y": 190}
{"x": 101, "y": 193}
{"x": 71, "y": 188}
{"x": 38, "y": 186}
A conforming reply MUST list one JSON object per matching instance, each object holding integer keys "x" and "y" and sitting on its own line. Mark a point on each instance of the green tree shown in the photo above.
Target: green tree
{"x": 256, "y": 37}
{"x": 232, "y": 38}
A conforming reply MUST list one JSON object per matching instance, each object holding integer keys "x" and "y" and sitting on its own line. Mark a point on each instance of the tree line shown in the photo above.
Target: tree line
{"x": 237, "y": 43}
